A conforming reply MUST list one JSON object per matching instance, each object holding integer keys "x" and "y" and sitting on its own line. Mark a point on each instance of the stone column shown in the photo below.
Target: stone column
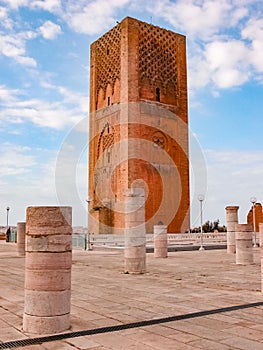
{"x": 261, "y": 234}
{"x": 261, "y": 252}
{"x": 160, "y": 241}
{"x": 20, "y": 238}
{"x": 231, "y": 221}
{"x": 135, "y": 237}
{"x": 244, "y": 252}
{"x": 48, "y": 270}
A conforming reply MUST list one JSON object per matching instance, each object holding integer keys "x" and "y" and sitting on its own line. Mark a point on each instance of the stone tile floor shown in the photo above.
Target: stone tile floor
{"x": 186, "y": 282}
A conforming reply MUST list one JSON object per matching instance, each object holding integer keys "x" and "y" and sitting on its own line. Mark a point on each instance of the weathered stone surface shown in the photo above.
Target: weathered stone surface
{"x": 49, "y": 280}
{"x": 135, "y": 252}
{"x": 135, "y": 236}
{"x": 47, "y": 303}
{"x": 231, "y": 221}
{"x": 50, "y": 243}
{"x": 244, "y": 253}
{"x": 261, "y": 252}
{"x": 258, "y": 216}
{"x": 261, "y": 234}
{"x": 47, "y": 270}
{"x": 21, "y": 231}
{"x": 38, "y": 224}
{"x": 160, "y": 241}
{"x": 48, "y": 261}
{"x": 45, "y": 325}
{"x": 132, "y": 104}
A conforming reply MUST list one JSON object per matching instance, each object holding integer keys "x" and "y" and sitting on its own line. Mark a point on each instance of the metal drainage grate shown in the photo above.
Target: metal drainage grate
{"x": 40, "y": 340}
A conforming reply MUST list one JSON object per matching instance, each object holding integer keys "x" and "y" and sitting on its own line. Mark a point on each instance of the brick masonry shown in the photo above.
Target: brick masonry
{"x": 138, "y": 126}
{"x": 258, "y": 216}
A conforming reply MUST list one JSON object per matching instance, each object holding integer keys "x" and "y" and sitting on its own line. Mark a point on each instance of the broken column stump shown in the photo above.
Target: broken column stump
{"x": 231, "y": 221}
{"x": 20, "y": 238}
{"x": 48, "y": 270}
{"x": 160, "y": 241}
{"x": 135, "y": 236}
{"x": 244, "y": 252}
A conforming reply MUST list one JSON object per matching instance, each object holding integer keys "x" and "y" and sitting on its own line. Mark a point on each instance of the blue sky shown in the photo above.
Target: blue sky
{"x": 44, "y": 97}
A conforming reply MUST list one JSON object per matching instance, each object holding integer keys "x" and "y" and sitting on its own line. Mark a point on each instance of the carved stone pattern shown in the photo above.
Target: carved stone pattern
{"x": 105, "y": 138}
{"x": 96, "y": 178}
{"x": 108, "y": 140}
{"x": 157, "y": 56}
{"x": 159, "y": 139}
{"x": 107, "y": 55}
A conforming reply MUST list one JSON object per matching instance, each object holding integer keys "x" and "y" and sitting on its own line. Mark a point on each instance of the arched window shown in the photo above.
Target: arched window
{"x": 157, "y": 91}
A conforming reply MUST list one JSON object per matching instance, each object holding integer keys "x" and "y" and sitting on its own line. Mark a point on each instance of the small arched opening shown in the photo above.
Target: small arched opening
{"x": 157, "y": 94}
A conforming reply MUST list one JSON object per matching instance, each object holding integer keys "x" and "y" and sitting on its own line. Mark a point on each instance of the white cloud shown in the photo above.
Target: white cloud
{"x": 26, "y": 61}
{"x": 7, "y": 95}
{"x": 50, "y": 30}
{"x": 91, "y": 18}
{"x": 43, "y": 114}
{"x": 48, "y": 5}
{"x": 227, "y": 62}
{"x": 200, "y": 19}
{"x": 14, "y": 4}
{"x": 15, "y": 160}
{"x": 66, "y": 111}
{"x": 11, "y": 46}
{"x": 13, "y": 43}
{"x": 27, "y": 176}
{"x": 3, "y": 12}
{"x": 199, "y": 73}
{"x": 253, "y": 32}
{"x": 14, "y": 46}
{"x": 225, "y": 54}
{"x": 5, "y": 21}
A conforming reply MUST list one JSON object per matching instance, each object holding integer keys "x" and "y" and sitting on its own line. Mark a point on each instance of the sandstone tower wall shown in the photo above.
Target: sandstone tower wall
{"x": 138, "y": 126}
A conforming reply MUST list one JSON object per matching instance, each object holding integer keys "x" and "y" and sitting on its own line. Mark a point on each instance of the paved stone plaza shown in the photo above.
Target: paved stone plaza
{"x": 184, "y": 283}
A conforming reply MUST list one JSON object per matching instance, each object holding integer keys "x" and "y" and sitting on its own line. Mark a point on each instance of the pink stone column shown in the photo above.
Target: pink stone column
{"x": 261, "y": 252}
{"x": 231, "y": 221}
{"x": 20, "y": 238}
{"x": 261, "y": 234}
{"x": 244, "y": 252}
{"x": 135, "y": 237}
{"x": 48, "y": 270}
{"x": 160, "y": 241}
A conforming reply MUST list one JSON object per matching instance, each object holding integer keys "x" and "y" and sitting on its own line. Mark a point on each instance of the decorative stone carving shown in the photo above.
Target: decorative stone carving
{"x": 108, "y": 59}
{"x": 157, "y": 56}
{"x": 159, "y": 139}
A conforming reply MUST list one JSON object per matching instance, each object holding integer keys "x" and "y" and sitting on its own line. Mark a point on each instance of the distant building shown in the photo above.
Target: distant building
{"x": 258, "y": 216}
{"x": 138, "y": 126}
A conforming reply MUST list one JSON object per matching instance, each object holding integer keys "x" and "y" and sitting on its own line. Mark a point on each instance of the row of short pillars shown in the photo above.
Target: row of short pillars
{"x": 48, "y": 251}
{"x": 239, "y": 237}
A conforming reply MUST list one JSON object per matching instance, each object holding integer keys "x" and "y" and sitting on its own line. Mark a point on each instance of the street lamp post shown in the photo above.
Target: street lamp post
{"x": 201, "y": 199}
{"x": 253, "y": 201}
{"x": 8, "y": 232}
{"x": 7, "y": 214}
{"x": 89, "y": 200}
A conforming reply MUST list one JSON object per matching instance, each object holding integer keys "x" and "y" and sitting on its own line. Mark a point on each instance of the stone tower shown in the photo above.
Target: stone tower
{"x": 138, "y": 126}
